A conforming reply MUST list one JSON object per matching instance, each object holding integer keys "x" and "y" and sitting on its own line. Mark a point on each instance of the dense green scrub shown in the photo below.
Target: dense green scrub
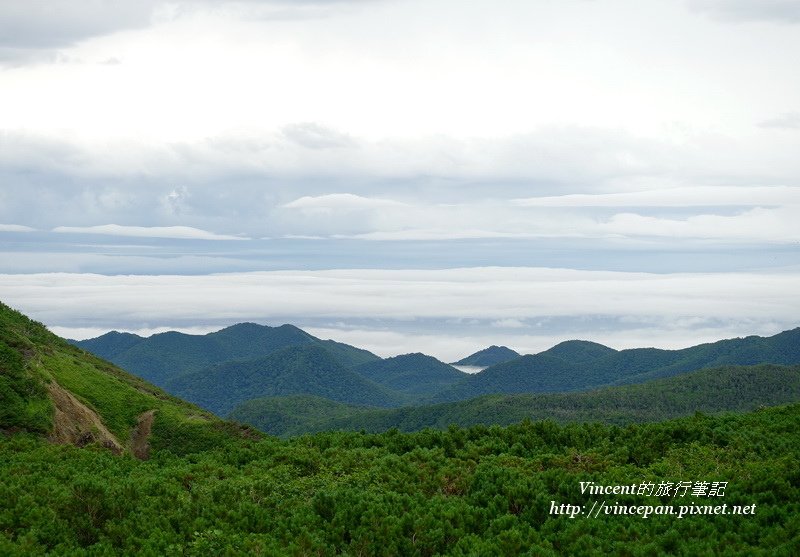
{"x": 477, "y": 491}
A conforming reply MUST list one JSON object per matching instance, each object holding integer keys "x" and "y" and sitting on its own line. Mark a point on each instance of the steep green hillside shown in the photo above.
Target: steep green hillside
{"x": 579, "y": 365}
{"x": 164, "y": 356}
{"x": 488, "y": 357}
{"x": 305, "y": 369}
{"x": 709, "y": 390}
{"x": 415, "y": 374}
{"x": 49, "y": 387}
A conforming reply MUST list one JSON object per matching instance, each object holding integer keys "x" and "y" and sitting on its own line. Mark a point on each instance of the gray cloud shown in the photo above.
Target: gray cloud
{"x": 547, "y": 161}
{"x": 315, "y": 136}
{"x": 15, "y": 228}
{"x": 27, "y": 27}
{"x": 518, "y": 187}
{"x": 33, "y": 30}
{"x": 787, "y": 121}
{"x": 174, "y": 232}
{"x": 266, "y": 10}
{"x": 697, "y": 196}
{"x": 779, "y": 11}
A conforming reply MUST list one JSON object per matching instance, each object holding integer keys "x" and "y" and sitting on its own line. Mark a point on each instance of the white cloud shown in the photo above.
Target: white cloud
{"x": 177, "y": 232}
{"x": 535, "y": 219}
{"x": 174, "y": 201}
{"x": 779, "y": 11}
{"x": 341, "y": 202}
{"x": 15, "y": 228}
{"x": 622, "y": 310}
{"x": 756, "y": 225}
{"x": 485, "y": 293}
{"x": 315, "y": 136}
{"x": 787, "y": 121}
{"x": 698, "y": 196}
{"x": 508, "y": 324}
{"x": 82, "y": 333}
{"x": 455, "y": 233}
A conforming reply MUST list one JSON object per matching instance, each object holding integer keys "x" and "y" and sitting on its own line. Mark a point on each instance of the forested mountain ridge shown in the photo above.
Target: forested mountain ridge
{"x": 51, "y": 388}
{"x": 164, "y": 356}
{"x": 579, "y": 351}
{"x": 488, "y": 357}
{"x": 733, "y": 388}
{"x": 593, "y": 365}
{"x": 414, "y": 374}
{"x": 302, "y": 369}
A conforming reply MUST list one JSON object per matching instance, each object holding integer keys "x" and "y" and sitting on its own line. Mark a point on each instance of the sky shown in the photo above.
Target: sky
{"x": 403, "y": 175}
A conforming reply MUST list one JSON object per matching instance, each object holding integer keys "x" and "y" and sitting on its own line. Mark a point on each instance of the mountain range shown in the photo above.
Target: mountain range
{"x": 284, "y": 380}
{"x": 164, "y": 356}
{"x": 580, "y": 365}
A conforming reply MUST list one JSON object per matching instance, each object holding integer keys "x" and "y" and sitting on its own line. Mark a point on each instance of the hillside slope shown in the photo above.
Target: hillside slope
{"x": 579, "y": 351}
{"x": 488, "y": 357}
{"x": 305, "y": 369}
{"x": 739, "y": 388}
{"x": 415, "y": 374}
{"x": 164, "y": 356}
{"x": 52, "y": 388}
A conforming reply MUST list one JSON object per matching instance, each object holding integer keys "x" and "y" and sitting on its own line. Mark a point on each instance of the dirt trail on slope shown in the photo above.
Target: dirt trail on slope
{"x": 77, "y": 424}
{"x": 140, "y": 447}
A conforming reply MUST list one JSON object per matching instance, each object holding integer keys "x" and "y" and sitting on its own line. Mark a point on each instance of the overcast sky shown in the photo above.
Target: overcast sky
{"x": 404, "y": 175}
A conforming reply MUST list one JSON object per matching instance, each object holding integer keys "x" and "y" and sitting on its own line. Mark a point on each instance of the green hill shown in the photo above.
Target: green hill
{"x": 51, "y": 388}
{"x": 414, "y": 374}
{"x": 164, "y": 356}
{"x": 579, "y": 351}
{"x": 580, "y": 365}
{"x": 488, "y": 357}
{"x": 529, "y": 373}
{"x": 739, "y": 388}
{"x": 306, "y": 369}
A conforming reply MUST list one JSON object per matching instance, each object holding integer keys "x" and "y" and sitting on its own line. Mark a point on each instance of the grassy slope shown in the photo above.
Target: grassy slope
{"x": 117, "y": 397}
{"x": 711, "y": 390}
